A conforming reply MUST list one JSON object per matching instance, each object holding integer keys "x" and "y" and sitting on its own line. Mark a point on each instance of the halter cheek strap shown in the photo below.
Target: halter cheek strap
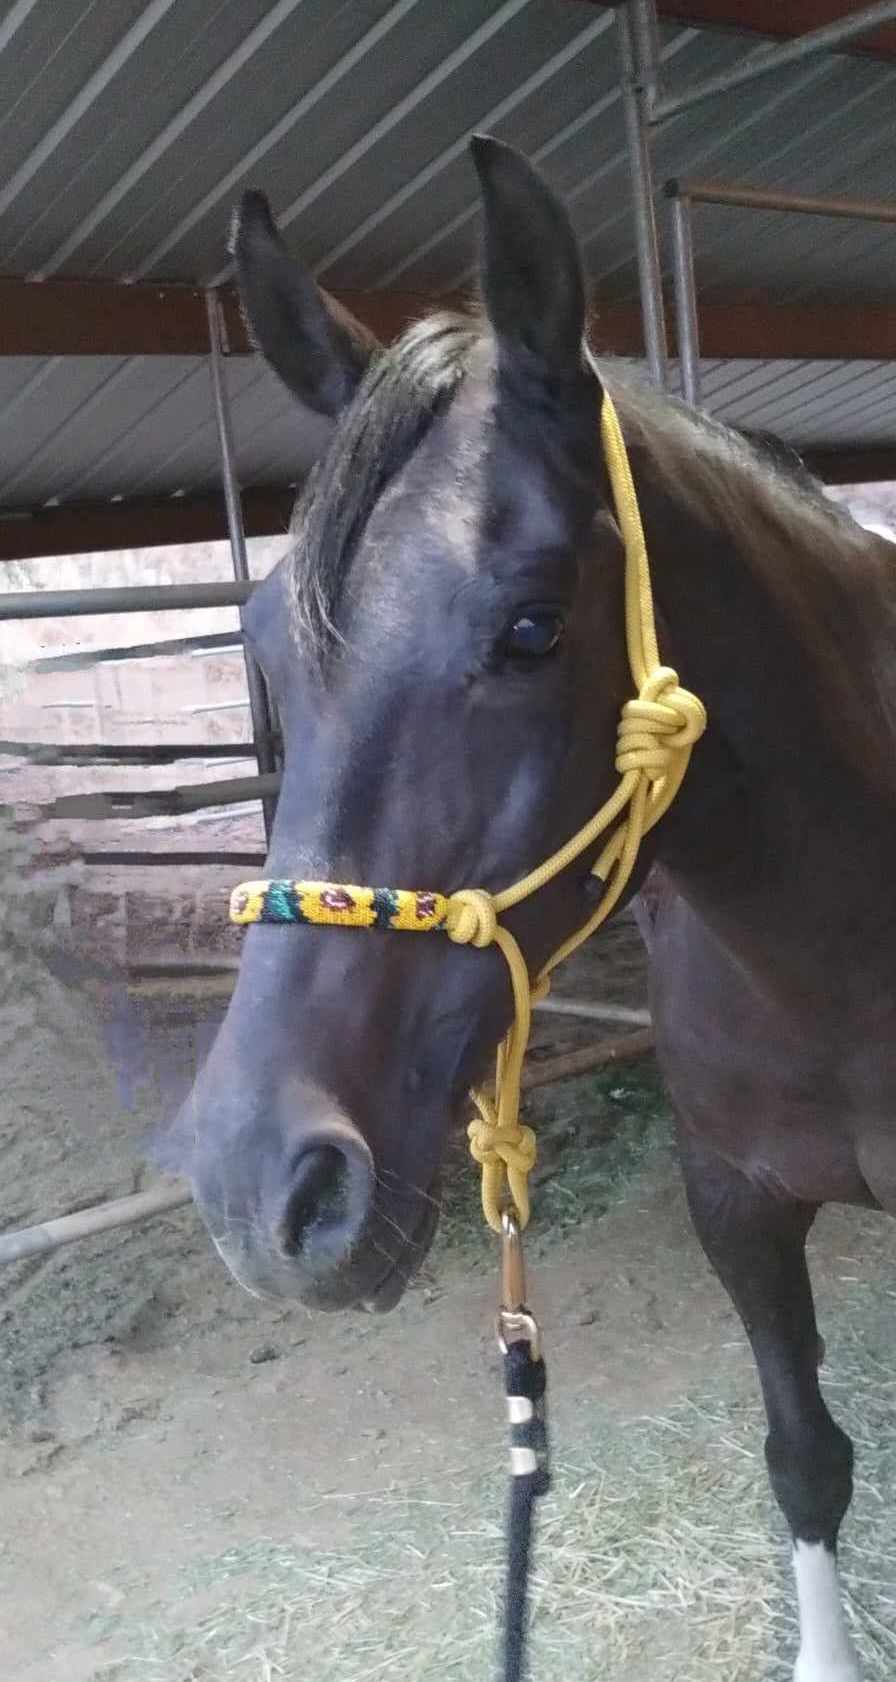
{"x": 657, "y": 731}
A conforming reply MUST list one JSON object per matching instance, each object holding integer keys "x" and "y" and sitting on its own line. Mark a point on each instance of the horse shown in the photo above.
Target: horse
{"x": 444, "y": 643}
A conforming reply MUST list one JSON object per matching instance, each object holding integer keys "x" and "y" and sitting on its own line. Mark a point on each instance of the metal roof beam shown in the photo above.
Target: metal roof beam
{"x": 869, "y": 464}
{"x": 760, "y": 332}
{"x": 105, "y": 318}
{"x": 86, "y": 528}
{"x": 101, "y": 318}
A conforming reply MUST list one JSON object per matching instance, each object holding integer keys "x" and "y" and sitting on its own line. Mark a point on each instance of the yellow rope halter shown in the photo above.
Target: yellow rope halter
{"x": 657, "y": 731}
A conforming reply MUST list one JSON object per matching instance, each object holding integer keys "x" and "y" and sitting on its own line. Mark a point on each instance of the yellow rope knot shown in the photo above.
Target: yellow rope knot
{"x": 501, "y": 1149}
{"x": 657, "y": 725}
{"x": 472, "y": 918}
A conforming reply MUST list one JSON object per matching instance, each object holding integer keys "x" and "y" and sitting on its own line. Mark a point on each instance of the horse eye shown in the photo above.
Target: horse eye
{"x": 534, "y": 634}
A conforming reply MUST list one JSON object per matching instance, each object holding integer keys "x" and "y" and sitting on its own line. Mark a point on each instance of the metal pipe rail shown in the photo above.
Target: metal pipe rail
{"x": 798, "y": 204}
{"x": 644, "y": 105}
{"x": 124, "y": 598}
{"x": 686, "y": 321}
{"x": 594, "y": 1012}
{"x": 163, "y": 803}
{"x": 768, "y": 59}
{"x": 636, "y": 40}
{"x": 83, "y": 659}
{"x": 145, "y": 1205}
{"x": 684, "y": 194}
{"x": 121, "y": 753}
{"x": 235, "y": 861}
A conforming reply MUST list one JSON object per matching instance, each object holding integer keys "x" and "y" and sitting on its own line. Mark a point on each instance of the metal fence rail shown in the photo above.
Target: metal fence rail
{"x": 176, "y": 860}
{"x": 164, "y": 803}
{"x": 124, "y": 598}
{"x": 59, "y": 604}
{"x": 83, "y": 658}
{"x": 124, "y": 753}
{"x": 131, "y": 804}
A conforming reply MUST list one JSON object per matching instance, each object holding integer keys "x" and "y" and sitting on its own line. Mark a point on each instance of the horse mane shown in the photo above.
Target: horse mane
{"x": 834, "y": 582}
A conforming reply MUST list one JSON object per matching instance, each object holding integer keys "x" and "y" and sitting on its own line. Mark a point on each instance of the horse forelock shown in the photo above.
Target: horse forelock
{"x": 404, "y": 389}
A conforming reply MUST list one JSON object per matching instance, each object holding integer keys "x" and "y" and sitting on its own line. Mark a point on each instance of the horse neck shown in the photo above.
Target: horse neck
{"x": 775, "y": 838}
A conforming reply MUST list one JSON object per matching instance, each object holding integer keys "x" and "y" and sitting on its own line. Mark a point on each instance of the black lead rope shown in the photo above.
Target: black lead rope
{"x": 525, "y": 1384}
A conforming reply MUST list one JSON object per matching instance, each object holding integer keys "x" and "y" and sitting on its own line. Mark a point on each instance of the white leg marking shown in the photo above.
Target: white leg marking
{"x": 826, "y": 1651}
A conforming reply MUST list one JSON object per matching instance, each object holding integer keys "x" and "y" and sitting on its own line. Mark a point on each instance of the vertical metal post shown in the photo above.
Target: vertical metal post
{"x": 686, "y": 323}
{"x": 635, "y": 30}
{"x": 646, "y": 37}
{"x": 259, "y": 706}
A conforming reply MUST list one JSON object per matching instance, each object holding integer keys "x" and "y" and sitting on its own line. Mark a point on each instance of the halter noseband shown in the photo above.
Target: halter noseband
{"x": 657, "y": 731}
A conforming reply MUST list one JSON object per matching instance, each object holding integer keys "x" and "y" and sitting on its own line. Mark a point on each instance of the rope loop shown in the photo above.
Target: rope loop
{"x": 472, "y": 919}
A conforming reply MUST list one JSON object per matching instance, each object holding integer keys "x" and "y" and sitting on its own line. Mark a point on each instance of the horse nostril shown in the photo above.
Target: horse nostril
{"x": 325, "y": 1208}
{"x": 316, "y": 1198}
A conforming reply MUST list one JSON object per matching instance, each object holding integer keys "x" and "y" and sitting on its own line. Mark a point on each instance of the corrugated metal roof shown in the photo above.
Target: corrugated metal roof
{"x": 128, "y": 129}
{"x": 813, "y": 405}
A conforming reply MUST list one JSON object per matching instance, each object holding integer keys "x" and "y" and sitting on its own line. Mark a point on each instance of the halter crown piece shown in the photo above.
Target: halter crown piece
{"x": 657, "y": 731}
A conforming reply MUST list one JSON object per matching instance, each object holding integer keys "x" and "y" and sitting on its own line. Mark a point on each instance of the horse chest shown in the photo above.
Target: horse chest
{"x": 797, "y": 1089}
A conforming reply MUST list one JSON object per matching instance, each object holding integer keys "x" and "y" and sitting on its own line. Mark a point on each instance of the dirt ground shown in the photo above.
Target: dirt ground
{"x": 199, "y": 1486}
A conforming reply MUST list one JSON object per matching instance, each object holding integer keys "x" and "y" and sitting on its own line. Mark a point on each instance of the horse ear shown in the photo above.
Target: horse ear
{"x": 532, "y": 280}
{"x": 317, "y": 348}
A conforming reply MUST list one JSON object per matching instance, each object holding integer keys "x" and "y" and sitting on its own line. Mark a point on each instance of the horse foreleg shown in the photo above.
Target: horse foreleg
{"x": 755, "y": 1241}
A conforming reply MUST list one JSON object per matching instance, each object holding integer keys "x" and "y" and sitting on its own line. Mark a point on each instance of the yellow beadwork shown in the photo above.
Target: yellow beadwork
{"x": 246, "y": 902}
{"x": 337, "y": 905}
{"x": 418, "y": 911}
{"x": 341, "y": 908}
